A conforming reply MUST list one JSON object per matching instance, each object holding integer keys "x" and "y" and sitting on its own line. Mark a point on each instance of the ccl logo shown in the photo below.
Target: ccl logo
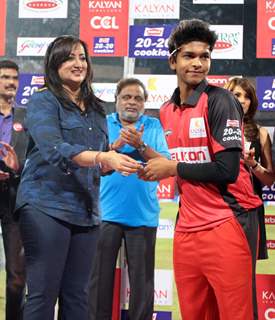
{"x": 106, "y": 22}
{"x": 271, "y": 23}
{"x": 269, "y": 314}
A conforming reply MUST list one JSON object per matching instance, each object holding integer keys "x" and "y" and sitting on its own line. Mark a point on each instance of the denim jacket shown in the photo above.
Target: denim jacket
{"x": 51, "y": 181}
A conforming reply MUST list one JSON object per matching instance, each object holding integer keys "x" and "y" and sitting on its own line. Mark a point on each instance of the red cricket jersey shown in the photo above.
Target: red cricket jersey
{"x": 209, "y": 122}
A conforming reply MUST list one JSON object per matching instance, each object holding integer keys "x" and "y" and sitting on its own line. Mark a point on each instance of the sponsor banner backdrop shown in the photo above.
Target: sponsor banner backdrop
{"x": 105, "y": 91}
{"x": 268, "y": 193}
{"x": 270, "y": 244}
{"x": 218, "y": 1}
{"x": 43, "y": 9}
{"x": 116, "y": 295}
{"x": 270, "y": 219}
{"x": 266, "y": 296}
{"x": 230, "y": 42}
{"x": 149, "y": 41}
{"x": 163, "y": 287}
{"x": 160, "y": 88}
{"x": 265, "y": 87}
{"x": 166, "y": 229}
{"x": 28, "y": 84}
{"x": 155, "y": 9}
{"x": 265, "y": 29}
{"x": 219, "y": 81}
{"x": 104, "y": 26}
{"x": 166, "y": 188}
{"x": 157, "y": 315}
{"x": 32, "y": 46}
{"x": 3, "y": 27}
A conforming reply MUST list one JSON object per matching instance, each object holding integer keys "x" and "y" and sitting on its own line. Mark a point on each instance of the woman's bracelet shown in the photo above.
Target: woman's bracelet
{"x": 96, "y": 159}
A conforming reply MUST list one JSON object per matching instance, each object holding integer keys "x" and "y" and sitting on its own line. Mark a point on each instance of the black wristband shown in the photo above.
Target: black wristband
{"x": 255, "y": 166}
{"x": 142, "y": 147}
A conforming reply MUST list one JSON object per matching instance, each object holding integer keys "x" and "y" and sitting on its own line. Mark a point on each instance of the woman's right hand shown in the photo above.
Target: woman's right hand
{"x": 112, "y": 160}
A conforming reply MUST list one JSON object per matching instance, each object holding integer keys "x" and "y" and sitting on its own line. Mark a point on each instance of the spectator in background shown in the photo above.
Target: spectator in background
{"x": 130, "y": 208}
{"x": 212, "y": 247}
{"x": 14, "y": 143}
{"x": 57, "y": 200}
{"x": 257, "y": 157}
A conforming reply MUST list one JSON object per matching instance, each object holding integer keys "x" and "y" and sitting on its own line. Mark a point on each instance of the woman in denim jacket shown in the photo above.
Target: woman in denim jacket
{"x": 57, "y": 199}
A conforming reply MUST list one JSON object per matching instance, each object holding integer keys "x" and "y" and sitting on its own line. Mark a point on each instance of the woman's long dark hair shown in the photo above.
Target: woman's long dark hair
{"x": 251, "y": 130}
{"x": 57, "y": 53}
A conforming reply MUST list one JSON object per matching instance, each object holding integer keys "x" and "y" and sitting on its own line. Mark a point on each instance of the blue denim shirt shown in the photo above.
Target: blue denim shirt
{"x": 51, "y": 181}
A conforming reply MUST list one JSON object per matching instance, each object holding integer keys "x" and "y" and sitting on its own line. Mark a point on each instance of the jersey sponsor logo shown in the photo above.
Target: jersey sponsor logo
{"x": 191, "y": 154}
{"x": 197, "y": 128}
{"x": 232, "y": 132}
{"x": 233, "y": 123}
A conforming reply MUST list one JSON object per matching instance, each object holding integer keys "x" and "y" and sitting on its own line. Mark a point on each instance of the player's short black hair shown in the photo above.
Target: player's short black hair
{"x": 191, "y": 30}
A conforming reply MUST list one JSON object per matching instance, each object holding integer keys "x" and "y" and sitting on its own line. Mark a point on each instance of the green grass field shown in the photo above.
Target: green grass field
{"x": 164, "y": 260}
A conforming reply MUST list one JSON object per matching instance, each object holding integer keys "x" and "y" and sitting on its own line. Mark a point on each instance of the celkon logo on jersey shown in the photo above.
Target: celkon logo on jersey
{"x": 106, "y": 22}
{"x": 197, "y": 128}
{"x": 191, "y": 154}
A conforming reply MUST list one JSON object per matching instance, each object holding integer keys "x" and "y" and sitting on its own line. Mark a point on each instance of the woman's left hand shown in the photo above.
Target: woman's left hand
{"x": 249, "y": 157}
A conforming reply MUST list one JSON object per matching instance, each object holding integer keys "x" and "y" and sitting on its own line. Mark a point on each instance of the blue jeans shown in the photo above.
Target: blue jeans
{"x": 59, "y": 258}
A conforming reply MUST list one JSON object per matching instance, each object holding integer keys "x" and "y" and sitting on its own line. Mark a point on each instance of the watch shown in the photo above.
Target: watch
{"x": 142, "y": 147}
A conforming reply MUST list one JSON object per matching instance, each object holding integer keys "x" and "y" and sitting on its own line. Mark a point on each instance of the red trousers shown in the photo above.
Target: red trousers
{"x": 213, "y": 273}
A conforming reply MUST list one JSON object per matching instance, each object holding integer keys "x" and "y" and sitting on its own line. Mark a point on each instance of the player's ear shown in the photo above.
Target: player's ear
{"x": 172, "y": 62}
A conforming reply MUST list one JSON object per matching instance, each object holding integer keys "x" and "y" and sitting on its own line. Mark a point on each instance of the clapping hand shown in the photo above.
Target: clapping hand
{"x": 132, "y": 136}
{"x": 9, "y": 156}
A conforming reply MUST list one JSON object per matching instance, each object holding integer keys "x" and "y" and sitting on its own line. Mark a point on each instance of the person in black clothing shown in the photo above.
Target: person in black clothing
{"x": 257, "y": 156}
{"x": 212, "y": 252}
{"x": 14, "y": 144}
{"x": 57, "y": 200}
